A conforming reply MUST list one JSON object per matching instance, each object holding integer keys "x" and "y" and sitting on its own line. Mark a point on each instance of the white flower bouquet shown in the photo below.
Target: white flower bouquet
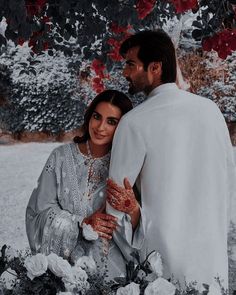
{"x": 24, "y": 274}
{"x": 41, "y": 274}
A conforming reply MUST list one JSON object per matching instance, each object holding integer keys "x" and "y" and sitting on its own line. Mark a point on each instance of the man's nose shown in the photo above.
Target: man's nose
{"x": 125, "y": 72}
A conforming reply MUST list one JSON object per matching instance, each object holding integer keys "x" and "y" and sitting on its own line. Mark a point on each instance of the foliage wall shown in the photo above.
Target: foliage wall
{"x": 56, "y": 55}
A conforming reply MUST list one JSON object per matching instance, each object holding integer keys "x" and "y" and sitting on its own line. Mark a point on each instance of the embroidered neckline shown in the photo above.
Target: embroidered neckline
{"x": 89, "y": 156}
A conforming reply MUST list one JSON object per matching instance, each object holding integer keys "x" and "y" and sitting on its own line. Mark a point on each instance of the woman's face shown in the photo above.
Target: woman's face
{"x": 103, "y": 123}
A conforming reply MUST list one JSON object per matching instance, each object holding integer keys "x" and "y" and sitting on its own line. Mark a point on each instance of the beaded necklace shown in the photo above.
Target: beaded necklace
{"x": 90, "y": 166}
{"x": 105, "y": 242}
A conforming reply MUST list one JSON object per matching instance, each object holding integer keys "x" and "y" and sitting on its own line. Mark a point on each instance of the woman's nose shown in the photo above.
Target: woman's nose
{"x": 101, "y": 125}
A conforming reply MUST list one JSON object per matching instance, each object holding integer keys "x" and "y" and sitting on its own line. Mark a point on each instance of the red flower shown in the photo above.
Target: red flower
{"x": 144, "y": 7}
{"x": 21, "y": 41}
{"x": 223, "y": 43}
{"x": 32, "y": 43}
{"x": 117, "y": 29}
{"x": 115, "y": 55}
{"x": 41, "y": 3}
{"x": 184, "y": 5}
{"x": 98, "y": 67}
{"x": 45, "y": 46}
{"x": 115, "y": 44}
{"x": 98, "y": 85}
{"x": 233, "y": 43}
{"x": 34, "y": 8}
{"x": 45, "y": 19}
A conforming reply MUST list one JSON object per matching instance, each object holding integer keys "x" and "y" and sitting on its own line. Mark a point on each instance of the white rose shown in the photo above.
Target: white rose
{"x": 64, "y": 293}
{"x": 76, "y": 280}
{"x": 160, "y": 287}
{"x": 88, "y": 232}
{"x": 59, "y": 266}
{"x": 87, "y": 263}
{"x": 9, "y": 278}
{"x": 10, "y": 253}
{"x": 131, "y": 289}
{"x": 156, "y": 263}
{"x": 214, "y": 289}
{"x": 36, "y": 265}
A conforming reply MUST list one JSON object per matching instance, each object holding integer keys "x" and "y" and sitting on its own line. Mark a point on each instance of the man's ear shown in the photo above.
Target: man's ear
{"x": 155, "y": 67}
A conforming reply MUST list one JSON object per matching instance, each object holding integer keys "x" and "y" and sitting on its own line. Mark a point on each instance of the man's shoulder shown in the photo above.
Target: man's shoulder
{"x": 135, "y": 117}
{"x": 201, "y": 101}
{"x": 137, "y": 111}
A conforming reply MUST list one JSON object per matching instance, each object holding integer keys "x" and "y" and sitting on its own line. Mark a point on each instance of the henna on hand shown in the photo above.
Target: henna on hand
{"x": 121, "y": 198}
{"x": 104, "y": 224}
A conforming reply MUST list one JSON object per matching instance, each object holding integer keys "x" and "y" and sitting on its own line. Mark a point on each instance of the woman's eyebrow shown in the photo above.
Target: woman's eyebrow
{"x": 113, "y": 118}
{"x": 110, "y": 117}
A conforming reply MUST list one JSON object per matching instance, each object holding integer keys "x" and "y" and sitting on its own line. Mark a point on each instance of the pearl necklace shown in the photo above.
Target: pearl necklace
{"x": 88, "y": 149}
{"x": 90, "y": 166}
{"x": 105, "y": 243}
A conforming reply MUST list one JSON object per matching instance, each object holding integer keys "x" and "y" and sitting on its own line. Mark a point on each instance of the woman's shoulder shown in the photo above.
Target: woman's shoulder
{"x": 62, "y": 149}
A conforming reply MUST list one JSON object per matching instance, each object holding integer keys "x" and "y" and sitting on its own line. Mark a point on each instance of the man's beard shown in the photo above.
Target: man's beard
{"x": 132, "y": 89}
{"x": 138, "y": 87}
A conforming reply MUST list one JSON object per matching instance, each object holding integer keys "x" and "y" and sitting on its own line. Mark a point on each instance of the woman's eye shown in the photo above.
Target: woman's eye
{"x": 112, "y": 122}
{"x": 96, "y": 116}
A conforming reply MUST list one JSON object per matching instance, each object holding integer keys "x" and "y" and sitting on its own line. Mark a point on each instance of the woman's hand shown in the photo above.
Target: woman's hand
{"x": 123, "y": 199}
{"x": 104, "y": 224}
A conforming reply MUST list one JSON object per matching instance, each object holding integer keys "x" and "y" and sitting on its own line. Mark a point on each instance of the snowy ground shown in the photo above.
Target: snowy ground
{"x": 20, "y": 167}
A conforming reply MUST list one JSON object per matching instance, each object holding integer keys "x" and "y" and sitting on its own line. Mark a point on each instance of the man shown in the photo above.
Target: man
{"x": 175, "y": 146}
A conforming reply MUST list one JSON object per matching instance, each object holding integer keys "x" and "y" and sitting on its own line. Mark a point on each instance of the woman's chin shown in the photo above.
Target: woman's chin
{"x": 100, "y": 142}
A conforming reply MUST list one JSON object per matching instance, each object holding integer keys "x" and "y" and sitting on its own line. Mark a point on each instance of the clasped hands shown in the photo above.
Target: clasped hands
{"x": 120, "y": 198}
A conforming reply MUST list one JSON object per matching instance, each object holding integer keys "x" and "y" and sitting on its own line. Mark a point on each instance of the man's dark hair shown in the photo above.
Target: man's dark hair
{"x": 154, "y": 46}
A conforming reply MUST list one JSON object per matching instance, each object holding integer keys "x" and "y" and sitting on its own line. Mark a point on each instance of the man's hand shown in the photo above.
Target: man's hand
{"x": 104, "y": 224}
{"x": 122, "y": 198}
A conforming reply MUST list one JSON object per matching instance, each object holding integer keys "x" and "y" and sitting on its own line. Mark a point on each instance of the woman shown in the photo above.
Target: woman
{"x": 65, "y": 214}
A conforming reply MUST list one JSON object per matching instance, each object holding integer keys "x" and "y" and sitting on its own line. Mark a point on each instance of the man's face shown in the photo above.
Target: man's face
{"x": 138, "y": 78}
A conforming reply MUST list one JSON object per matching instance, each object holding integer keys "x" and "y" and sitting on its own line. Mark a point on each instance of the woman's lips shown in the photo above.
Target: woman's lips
{"x": 98, "y": 135}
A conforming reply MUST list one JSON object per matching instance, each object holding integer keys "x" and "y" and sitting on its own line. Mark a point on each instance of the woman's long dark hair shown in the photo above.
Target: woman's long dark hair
{"x": 115, "y": 98}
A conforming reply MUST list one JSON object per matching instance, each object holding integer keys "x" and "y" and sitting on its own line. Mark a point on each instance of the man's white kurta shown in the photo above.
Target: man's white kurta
{"x": 177, "y": 149}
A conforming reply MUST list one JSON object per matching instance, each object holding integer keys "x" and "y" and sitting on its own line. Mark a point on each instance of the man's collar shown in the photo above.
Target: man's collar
{"x": 162, "y": 88}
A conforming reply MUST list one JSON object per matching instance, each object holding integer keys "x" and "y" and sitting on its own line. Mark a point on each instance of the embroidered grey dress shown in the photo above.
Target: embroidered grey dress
{"x": 70, "y": 188}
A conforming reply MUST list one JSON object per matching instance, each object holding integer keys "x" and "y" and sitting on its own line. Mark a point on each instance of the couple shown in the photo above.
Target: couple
{"x": 174, "y": 147}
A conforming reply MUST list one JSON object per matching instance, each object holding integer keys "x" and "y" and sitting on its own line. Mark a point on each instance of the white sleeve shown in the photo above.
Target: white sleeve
{"x": 128, "y": 154}
{"x": 232, "y": 188}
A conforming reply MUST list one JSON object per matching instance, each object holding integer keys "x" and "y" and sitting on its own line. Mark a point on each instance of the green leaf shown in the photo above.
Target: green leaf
{"x": 120, "y": 281}
{"x": 32, "y": 71}
{"x": 23, "y": 72}
{"x": 197, "y": 24}
{"x": 197, "y": 34}
{"x": 2, "y": 41}
{"x": 50, "y": 52}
